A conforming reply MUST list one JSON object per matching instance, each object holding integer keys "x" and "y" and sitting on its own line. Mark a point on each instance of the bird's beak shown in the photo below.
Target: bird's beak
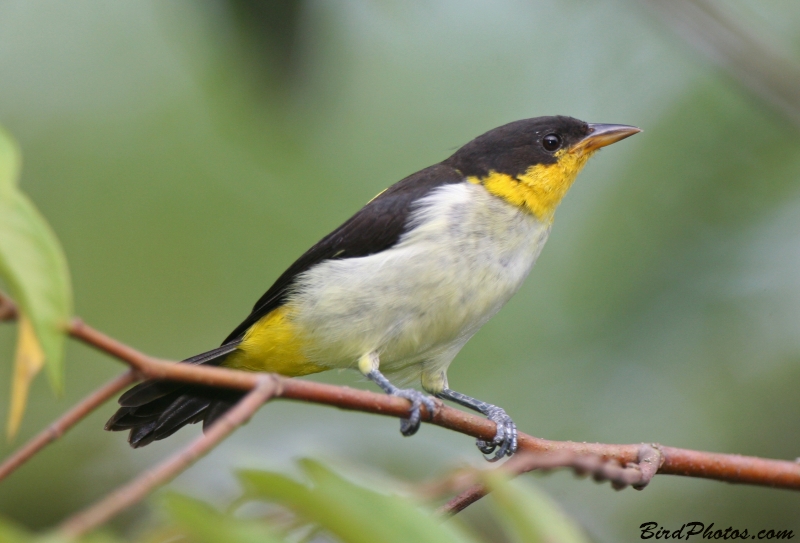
{"x": 601, "y": 135}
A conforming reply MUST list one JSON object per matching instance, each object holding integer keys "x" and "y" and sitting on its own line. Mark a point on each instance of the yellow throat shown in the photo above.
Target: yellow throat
{"x": 540, "y": 189}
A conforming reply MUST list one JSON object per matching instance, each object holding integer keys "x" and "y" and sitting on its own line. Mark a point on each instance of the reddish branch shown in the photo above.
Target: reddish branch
{"x": 67, "y": 421}
{"x": 131, "y": 493}
{"x": 637, "y": 475}
{"x": 723, "y": 467}
{"x": 8, "y": 309}
{"x": 624, "y": 465}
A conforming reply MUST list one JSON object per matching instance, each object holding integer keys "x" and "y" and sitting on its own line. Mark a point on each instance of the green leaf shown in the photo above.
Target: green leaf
{"x": 352, "y": 513}
{"x": 206, "y": 525}
{"x": 529, "y": 515}
{"x": 9, "y": 533}
{"x": 12, "y": 533}
{"x": 33, "y": 266}
{"x": 91, "y": 538}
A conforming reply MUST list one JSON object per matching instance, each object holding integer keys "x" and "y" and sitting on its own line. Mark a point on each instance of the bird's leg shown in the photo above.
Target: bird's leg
{"x": 506, "y": 436}
{"x": 368, "y": 364}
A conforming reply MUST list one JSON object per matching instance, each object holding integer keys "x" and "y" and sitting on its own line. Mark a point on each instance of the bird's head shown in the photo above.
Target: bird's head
{"x": 532, "y": 163}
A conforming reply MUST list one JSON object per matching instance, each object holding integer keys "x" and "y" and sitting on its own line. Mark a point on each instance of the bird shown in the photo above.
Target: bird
{"x": 400, "y": 287}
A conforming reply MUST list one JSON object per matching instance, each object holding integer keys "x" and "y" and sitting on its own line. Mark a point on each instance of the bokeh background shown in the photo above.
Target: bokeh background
{"x": 186, "y": 152}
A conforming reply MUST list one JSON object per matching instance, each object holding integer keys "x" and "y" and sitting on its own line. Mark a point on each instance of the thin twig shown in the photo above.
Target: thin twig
{"x": 637, "y": 474}
{"x": 463, "y": 500}
{"x": 722, "y": 467}
{"x": 518, "y": 464}
{"x": 8, "y": 309}
{"x": 67, "y": 421}
{"x": 94, "y": 516}
{"x": 470, "y": 491}
{"x": 770, "y": 74}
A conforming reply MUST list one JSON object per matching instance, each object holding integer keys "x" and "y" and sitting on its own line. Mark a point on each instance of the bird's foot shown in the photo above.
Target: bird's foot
{"x": 505, "y": 436}
{"x": 410, "y": 425}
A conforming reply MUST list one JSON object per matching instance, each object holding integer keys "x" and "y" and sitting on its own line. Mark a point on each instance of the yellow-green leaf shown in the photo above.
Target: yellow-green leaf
{"x": 204, "y": 524}
{"x": 28, "y": 360}
{"x": 34, "y": 269}
{"x": 352, "y": 513}
{"x": 10, "y": 533}
{"x": 529, "y": 515}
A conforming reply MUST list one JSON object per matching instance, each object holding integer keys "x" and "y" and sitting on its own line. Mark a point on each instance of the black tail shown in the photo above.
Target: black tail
{"x": 154, "y": 410}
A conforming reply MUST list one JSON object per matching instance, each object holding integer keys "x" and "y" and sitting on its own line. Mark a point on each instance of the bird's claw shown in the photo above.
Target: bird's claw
{"x": 410, "y": 425}
{"x": 505, "y": 437}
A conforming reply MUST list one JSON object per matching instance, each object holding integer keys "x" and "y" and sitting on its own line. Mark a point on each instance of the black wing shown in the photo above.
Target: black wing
{"x": 377, "y": 226}
{"x": 156, "y": 409}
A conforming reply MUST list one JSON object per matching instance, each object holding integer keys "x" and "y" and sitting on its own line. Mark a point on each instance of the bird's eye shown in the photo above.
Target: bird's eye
{"x": 551, "y": 142}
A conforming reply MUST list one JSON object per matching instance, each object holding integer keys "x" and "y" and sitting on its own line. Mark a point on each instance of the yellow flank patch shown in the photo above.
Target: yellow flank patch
{"x": 273, "y": 344}
{"x": 541, "y": 188}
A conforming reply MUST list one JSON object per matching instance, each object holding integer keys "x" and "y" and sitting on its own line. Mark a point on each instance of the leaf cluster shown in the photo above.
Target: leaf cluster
{"x": 328, "y": 506}
{"x": 34, "y": 268}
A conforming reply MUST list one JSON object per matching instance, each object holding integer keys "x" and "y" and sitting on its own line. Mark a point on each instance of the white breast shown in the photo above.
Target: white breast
{"x": 466, "y": 253}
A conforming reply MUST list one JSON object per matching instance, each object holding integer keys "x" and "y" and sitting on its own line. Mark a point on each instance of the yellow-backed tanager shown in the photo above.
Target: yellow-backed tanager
{"x": 399, "y": 288}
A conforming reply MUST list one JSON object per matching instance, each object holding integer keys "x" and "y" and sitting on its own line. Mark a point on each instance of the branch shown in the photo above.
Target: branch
{"x": 637, "y": 475}
{"x": 8, "y": 309}
{"x": 722, "y": 467}
{"x": 640, "y": 462}
{"x": 67, "y": 421}
{"x": 770, "y": 74}
{"x": 94, "y": 516}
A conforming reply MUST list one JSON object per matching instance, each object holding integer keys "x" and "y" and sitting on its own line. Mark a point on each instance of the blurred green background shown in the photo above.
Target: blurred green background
{"x": 186, "y": 152}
